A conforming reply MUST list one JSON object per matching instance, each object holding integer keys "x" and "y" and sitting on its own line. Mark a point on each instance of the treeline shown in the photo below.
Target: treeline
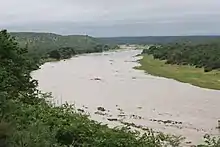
{"x": 49, "y": 45}
{"x": 68, "y": 52}
{"x": 205, "y": 56}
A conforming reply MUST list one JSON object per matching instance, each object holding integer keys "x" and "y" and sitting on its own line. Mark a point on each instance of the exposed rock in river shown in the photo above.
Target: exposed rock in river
{"x": 97, "y": 79}
{"x": 166, "y": 121}
{"x": 112, "y": 119}
{"x": 101, "y": 109}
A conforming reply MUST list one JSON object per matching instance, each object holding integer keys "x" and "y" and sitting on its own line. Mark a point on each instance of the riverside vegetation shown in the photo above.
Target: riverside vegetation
{"x": 197, "y": 64}
{"x": 27, "y": 118}
{"x": 49, "y": 46}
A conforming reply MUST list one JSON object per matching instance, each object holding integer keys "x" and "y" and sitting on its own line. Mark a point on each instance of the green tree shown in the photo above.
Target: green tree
{"x": 55, "y": 54}
{"x": 198, "y": 55}
{"x": 15, "y": 67}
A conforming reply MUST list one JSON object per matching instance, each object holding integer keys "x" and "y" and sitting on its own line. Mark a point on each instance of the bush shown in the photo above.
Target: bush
{"x": 207, "y": 69}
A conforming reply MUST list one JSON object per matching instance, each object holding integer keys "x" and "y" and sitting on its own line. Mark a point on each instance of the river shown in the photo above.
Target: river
{"x": 108, "y": 80}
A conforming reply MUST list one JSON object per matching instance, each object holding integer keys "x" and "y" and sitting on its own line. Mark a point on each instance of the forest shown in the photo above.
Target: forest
{"x": 205, "y": 56}
{"x": 49, "y": 45}
{"x": 68, "y": 52}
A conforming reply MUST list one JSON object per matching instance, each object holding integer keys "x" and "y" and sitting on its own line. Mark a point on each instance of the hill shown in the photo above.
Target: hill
{"x": 44, "y": 42}
{"x": 157, "y": 39}
{"x": 44, "y": 47}
{"x": 53, "y": 40}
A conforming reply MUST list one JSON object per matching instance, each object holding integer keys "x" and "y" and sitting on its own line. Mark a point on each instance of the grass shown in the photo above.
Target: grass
{"x": 182, "y": 73}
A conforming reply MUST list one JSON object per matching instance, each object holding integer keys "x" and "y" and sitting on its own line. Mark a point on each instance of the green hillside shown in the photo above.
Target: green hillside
{"x": 43, "y": 47}
{"x": 53, "y": 40}
{"x": 44, "y": 42}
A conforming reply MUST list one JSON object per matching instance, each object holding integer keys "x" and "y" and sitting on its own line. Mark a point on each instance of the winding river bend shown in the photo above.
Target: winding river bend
{"x": 108, "y": 80}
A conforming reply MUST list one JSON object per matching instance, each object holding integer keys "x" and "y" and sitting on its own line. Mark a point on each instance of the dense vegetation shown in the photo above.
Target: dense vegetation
{"x": 48, "y": 45}
{"x": 158, "y": 39}
{"x": 198, "y": 55}
{"x": 182, "y": 73}
{"x": 28, "y": 119}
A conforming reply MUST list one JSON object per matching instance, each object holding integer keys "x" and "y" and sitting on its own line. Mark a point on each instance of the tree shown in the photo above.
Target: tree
{"x": 55, "y": 54}
{"x": 106, "y": 47}
{"x": 15, "y": 67}
{"x": 198, "y": 55}
{"x": 98, "y": 48}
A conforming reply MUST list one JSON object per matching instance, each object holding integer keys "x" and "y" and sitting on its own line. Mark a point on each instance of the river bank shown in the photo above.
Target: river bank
{"x": 182, "y": 73}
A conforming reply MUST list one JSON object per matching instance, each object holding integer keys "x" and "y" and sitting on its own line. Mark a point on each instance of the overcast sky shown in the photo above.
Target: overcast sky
{"x": 112, "y": 17}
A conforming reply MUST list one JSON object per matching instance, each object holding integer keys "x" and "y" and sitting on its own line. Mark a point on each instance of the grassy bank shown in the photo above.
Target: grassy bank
{"x": 182, "y": 73}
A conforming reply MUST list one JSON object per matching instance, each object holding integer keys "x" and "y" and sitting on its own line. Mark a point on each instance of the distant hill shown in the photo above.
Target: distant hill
{"x": 44, "y": 42}
{"x": 158, "y": 39}
{"x": 41, "y": 43}
{"x": 50, "y": 39}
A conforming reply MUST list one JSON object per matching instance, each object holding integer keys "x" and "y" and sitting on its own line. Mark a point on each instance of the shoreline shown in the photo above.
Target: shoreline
{"x": 181, "y": 73}
{"x": 46, "y": 60}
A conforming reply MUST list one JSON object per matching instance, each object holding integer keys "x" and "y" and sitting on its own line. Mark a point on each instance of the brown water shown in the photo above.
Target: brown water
{"x": 109, "y": 80}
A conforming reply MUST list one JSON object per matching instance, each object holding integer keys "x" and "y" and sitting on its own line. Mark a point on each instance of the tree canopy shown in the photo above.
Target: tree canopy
{"x": 198, "y": 55}
{"x": 44, "y": 45}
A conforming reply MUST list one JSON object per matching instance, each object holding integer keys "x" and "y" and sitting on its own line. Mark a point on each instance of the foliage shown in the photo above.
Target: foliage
{"x": 44, "y": 45}
{"x": 199, "y": 55}
{"x": 210, "y": 142}
{"x": 68, "y": 52}
{"x": 183, "y": 73}
{"x": 54, "y": 54}
{"x": 15, "y": 67}
{"x": 43, "y": 125}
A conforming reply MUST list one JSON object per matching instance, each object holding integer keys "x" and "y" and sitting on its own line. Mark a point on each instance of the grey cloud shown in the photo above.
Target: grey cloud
{"x": 112, "y": 17}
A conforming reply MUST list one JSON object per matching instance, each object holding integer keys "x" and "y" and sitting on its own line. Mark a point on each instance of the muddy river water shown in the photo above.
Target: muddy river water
{"x": 108, "y": 80}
